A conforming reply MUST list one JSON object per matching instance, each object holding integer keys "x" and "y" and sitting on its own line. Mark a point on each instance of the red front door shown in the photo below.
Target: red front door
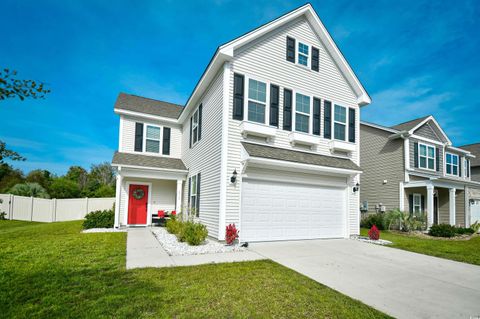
{"x": 137, "y": 204}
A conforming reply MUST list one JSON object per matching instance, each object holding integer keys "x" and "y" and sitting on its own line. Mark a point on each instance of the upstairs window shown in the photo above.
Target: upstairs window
{"x": 452, "y": 164}
{"x": 195, "y": 127}
{"x": 302, "y": 113}
{"x": 426, "y": 156}
{"x": 339, "y": 122}
{"x": 303, "y": 52}
{"x": 257, "y": 101}
{"x": 152, "y": 139}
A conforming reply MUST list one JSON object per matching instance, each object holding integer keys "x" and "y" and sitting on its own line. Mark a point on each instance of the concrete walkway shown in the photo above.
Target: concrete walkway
{"x": 397, "y": 282}
{"x": 144, "y": 250}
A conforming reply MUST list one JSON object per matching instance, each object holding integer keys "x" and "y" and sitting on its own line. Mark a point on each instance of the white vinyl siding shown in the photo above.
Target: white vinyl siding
{"x": 205, "y": 157}
{"x": 128, "y": 135}
{"x": 265, "y": 59}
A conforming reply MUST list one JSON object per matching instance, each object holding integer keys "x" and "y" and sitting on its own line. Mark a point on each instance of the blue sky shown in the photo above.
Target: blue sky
{"x": 413, "y": 57}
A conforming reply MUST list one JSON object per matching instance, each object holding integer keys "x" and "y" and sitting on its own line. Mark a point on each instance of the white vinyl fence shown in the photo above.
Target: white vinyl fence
{"x": 51, "y": 210}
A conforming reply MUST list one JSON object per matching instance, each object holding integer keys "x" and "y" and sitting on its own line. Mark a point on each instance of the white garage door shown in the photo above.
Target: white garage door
{"x": 273, "y": 210}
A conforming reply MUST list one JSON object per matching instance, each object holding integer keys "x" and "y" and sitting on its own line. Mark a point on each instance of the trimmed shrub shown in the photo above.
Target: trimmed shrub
{"x": 99, "y": 219}
{"x": 374, "y": 233}
{"x": 174, "y": 226}
{"x": 374, "y": 219}
{"x": 193, "y": 233}
{"x": 442, "y": 230}
{"x": 231, "y": 234}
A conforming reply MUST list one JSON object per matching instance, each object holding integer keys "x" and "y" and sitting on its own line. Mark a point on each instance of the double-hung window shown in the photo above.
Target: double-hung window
{"x": 193, "y": 194}
{"x": 257, "y": 101}
{"x": 303, "y": 53}
{"x": 417, "y": 204}
{"x": 339, "y": 122}
{"x": 426, "y": 156}
{"x": 302, "y": 113}
{"x": 452, "y": 164}
{"x": 152, "y": 139}
{"x": 195, "y": 127}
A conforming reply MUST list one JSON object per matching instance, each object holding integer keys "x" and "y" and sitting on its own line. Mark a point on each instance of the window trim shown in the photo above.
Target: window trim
{"x": 427, "y": 157}
{"x": 195, "y": 126}
{"x": 334, "y": 121}
{"x": 193, "y": 195}
{"x": 419, "y": 196}
{"x": 452, "y": 165}
{"x": 160, "y": 140}
{"x": 294, "y": 115}
{"x": 308, "y": 55}
{"x": 267, "y": 100}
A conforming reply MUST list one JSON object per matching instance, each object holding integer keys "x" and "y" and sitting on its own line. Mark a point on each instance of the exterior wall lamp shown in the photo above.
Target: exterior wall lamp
{"x": 233, "y": 179}
{"x": 356, "y": 187}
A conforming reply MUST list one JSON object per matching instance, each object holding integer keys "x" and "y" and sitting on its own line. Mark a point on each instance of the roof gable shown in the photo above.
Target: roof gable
{"x": 414, "y": 125}
{"x": 475, "y": 150}
{"x": 226, "y": 52}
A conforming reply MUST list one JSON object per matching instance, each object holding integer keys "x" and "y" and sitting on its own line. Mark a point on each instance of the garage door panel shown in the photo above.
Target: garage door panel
{"x": 287, "y": 211}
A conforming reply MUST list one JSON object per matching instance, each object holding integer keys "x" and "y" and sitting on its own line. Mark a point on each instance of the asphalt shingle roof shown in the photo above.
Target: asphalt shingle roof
{"x": 407, "y": 126}
{"x": 281, "y": 154}
{"x": 148, "y": 106}
{"x": 475, "y": 150}
{"x": 147, "y": 161}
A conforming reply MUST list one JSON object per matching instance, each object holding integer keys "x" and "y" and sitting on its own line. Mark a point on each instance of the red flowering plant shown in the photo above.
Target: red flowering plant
{"x": 173, "y": 214}
{"x": 161, "y": 214}
{"x": 231, "y": 234}
{"x": 374, "y": 233}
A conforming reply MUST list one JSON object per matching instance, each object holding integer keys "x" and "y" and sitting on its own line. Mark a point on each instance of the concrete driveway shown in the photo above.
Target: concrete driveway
{"x": 399, "y": 283}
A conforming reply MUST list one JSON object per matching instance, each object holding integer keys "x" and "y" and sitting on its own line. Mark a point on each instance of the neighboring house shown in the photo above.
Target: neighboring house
{"x": 268, "y": 140}
{"x": 474, "y": 192}
{"x": 414, "y": 167}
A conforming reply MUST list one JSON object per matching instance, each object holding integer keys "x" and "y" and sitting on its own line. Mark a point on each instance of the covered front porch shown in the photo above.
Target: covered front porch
{"x": 144, "y": 189}
{"x": 443, "y": 202}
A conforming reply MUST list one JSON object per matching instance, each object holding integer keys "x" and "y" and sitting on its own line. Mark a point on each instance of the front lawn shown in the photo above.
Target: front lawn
{"x": 460, "y": 250}
{"x": 52, "y": 270}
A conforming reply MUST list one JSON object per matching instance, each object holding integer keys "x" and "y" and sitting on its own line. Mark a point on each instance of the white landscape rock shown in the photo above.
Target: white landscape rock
{"x": 104, "y": 230}
{"x": 173, "y": 247}
{"x": 382, "y": 242}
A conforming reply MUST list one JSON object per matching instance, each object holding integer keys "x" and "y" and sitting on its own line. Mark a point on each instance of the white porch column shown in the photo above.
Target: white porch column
{"x": 451, "y": 210}
{"x": 178, "y": 202}
{"x": 118, "y": 194}
{"x": 430, "y": 205}
{"x": 402, "y": 197}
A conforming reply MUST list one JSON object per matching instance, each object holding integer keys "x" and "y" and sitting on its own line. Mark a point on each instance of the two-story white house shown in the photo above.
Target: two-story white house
{"x": 268, "y": 140}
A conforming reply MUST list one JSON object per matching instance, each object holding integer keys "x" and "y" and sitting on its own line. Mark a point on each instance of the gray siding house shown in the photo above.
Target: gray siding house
{"x": 413, "y": 166}
{"x": 474, "y": 192}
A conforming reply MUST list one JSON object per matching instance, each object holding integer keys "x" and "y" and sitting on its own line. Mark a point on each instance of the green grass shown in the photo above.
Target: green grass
{"x": 52, "y": 270}
{"x": 467, "y": 251}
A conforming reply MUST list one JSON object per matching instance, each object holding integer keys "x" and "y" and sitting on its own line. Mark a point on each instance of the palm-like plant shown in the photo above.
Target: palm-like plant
{"x": 29, "y": 189}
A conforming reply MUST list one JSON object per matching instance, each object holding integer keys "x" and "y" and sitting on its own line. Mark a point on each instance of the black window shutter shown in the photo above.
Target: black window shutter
{"x": 238, "y": 93}
{"x": 291, "y": 49}
{"x": 422, "y": 203}
{"x": 351, "y": 125}
{"x": 166, "y": 141}
{"x": 198, "y": 195}
{"x": 138, "y": 137}
{"x": 200, "y": 121}
{"x": 274, "y": 101}
{"x": 459, "y": 166}
{"x": 316, "y": 116}
{"x": 189, "y": 190}
{"x": 191, "y": 128}
{"x": 415, "y": 154}
{"x": 315, "y": 59}
{"x": 437, "y": 158}
{"x": 468, "y": 168}
{"x": 410, "y": 203}
{"x": 327, "y": 120}
{"x": 287, "y": 110}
